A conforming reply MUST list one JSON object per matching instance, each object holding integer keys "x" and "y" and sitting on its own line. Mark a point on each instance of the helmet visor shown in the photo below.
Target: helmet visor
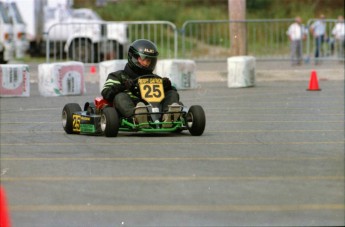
{"x": 146, "y": 62}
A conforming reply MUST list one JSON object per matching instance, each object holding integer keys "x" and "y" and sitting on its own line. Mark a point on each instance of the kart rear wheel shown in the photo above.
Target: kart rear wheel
{"x": 67, "y": 116}
{"x": 196, "y": 120}
{"x": 110, "y": 122}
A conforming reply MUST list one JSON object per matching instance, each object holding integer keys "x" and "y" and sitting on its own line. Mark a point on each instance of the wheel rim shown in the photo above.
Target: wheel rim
{"x": 189, "y": 120}
{"x": 64, "y": 119}
{"x": 103, "y": 122}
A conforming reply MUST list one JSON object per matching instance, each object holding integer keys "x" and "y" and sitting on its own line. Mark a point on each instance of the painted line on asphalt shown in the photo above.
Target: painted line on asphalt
{"x": 273, "y": 131}
{"x": 171, "y": 143}
{"x": 285, "y": 108}
{"x": 176, "y": 208}
{"x": 276, "y": 121}
{"x": 171, "y": 178}
{"x": 272, "y": 114}
{"x": 31, "y": 122}
{"x": 335, "y": 158}
{"x": 32, "y": 132}
{"x": 279, "y": 105}
{"x": 19, "y": 110}
{"x": 225, "y": 131}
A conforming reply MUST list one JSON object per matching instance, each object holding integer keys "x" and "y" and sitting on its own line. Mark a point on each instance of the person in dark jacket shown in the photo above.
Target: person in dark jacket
{"x": 118, "y": 88}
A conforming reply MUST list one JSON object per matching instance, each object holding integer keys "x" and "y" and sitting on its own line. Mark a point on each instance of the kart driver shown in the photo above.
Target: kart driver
{"x": 118, "y": 88}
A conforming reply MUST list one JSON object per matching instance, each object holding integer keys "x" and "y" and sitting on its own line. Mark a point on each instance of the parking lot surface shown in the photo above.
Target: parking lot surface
{"x": 271, "y": 155}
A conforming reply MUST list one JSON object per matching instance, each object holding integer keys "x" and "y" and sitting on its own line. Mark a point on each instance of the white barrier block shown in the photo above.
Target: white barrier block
{"x": 63, "y": 78}
{"x": 107, "y": 67}
{"x": 14, "y": 80}
{"x": 241, "y": 71}
{"x": 181, "y": 72}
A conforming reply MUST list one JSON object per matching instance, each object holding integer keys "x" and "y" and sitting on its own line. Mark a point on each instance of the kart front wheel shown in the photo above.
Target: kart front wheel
{"x": 196, "y": 120}
{"x": 110, "y": 122}
{"x": 67, "y": 116}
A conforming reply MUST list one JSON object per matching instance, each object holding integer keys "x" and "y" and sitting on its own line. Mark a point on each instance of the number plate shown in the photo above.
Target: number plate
{"x": 151, "y": 89}
{"x": 76, "y": 122}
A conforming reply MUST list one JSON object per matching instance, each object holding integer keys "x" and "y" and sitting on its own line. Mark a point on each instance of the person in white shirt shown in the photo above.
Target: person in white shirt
{"x": 339, "y": 34}
{"x": 318, "y": 30}
{"x": 296, "y": 34}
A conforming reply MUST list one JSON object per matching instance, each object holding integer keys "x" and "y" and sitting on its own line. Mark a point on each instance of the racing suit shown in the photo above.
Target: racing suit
{"x": 125, "y": 100}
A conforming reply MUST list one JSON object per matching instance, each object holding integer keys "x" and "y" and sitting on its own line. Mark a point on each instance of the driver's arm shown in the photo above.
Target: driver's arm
{"x": 112, "y": 86}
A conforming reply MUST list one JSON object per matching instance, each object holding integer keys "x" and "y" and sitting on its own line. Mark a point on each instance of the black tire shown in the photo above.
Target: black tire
{"x": 67, "y": 116}
{"x": 110, "y": 122}
{"x": 196, "y": 120}
{"x": 2, "y": 60}
{"x": 81, "y": 50}
{"x": 115, "y": 51}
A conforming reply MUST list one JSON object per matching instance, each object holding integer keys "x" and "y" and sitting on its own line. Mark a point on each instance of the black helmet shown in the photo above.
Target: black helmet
{"x": 145, "y": 49}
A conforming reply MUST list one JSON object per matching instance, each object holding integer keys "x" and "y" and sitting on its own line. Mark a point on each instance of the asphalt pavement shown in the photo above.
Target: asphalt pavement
{"x": 271, "y": 155}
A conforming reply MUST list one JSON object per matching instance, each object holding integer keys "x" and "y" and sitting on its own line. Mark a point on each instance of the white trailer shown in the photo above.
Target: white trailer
{"x": 32, "y": 12}
{"x": 19, "y": 30}
{"x": 6, "y": 36}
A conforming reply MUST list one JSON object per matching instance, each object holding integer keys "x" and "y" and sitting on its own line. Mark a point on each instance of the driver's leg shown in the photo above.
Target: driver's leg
{"x": 124, "y": 104}
{"x": 170, "y": 97}
{"x": 171, "y": 104}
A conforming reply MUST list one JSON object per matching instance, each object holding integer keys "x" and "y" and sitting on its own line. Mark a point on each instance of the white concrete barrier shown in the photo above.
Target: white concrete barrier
{"x": 181, "y": 72}
{"x": 59, "y": 79}
{"x": 107, "y": 67}
{"x": 241, "y": 71}
{"x": 14, "y": 80}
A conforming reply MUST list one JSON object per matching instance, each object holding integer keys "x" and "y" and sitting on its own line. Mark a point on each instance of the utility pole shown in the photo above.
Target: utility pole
{"x": 238, "y": 31}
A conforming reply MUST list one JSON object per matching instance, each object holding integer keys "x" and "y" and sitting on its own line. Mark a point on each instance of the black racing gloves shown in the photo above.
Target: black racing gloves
{"x": 166, "y": 84}
{"x": 129, "y": 83}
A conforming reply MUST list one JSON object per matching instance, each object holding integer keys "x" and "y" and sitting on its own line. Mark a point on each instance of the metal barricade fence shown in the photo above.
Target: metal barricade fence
{"x": 210, "y": 39}
{"x": 95, "y": 42}
{"x": 330, "y": 48}
{"x": 162, "y": 33}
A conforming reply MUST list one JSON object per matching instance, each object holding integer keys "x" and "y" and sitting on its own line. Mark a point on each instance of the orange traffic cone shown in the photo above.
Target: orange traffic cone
{"x": 4, "y": 216}
{"x": 93, "y": 69}
{"x": 313, "y": 84}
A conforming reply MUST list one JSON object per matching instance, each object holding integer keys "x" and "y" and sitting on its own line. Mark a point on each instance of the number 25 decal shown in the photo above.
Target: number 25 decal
{"x": 152, "y": 92}
{"x": 76, "y": 123}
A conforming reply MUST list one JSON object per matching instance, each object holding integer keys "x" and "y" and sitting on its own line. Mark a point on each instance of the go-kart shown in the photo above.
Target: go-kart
{"x": 101, "y": 118}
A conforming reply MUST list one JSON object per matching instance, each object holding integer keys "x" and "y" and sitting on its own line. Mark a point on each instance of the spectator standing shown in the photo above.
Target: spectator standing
{"x": 339, "y": 34}
{"x": 296, "y": 34}
{"x": 318, "y": 30}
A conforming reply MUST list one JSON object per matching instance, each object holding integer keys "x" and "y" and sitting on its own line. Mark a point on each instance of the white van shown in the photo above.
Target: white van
{"x": 117, "y": 32}
{"x": 52, "y": 31}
